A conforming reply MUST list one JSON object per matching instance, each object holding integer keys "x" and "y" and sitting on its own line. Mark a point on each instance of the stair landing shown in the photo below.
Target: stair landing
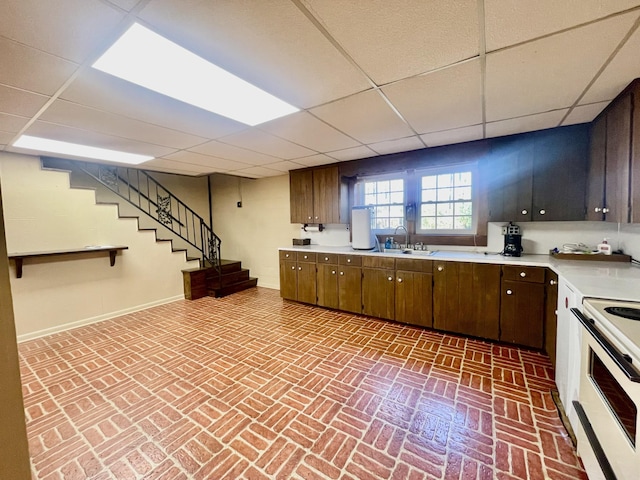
{"x": 203, "y": 282}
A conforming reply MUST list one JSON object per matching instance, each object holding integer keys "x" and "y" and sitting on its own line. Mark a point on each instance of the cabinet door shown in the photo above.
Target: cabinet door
{"x": 635, "y": 156}
{"x": 326, "y": 193}
{"x": 350, "y": 288}
{"x": 327, "y": 286}
{"x": 560, "y": 174}
{"x": 597, "y": 164}
{"x": 446, "y": 296}
{"x": 307, "y": 282}
{"x": 550, "y": 316}
{"x": 301, "y": 196}
{"x": 522, "y": 313}
{"x": 413, "y": 298}
{"x": 378, "y": 292}
{"x": 618, "y": 159}
{"x": 288, "y": 280}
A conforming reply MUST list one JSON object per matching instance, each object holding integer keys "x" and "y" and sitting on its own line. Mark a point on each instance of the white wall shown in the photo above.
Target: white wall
{"x": 43, "y": 213}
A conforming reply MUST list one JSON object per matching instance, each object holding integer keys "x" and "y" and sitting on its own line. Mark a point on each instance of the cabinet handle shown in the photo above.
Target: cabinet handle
{"x": 399, "y": 280}
{"x": 597, "y": 209}
{"x": 440, "y": 268}
{"x": 293, "y": 268}
{"x": 390, "y": 279}
{"x": 326, "y": 259}
{"x": 310, "y": 218}
{"x": 543, "y": 211}
{"x": 522, "y": 274}
{"x": 286, "y": 255}
{"x": 552, "y": 282}
{"x": 525, "y": 211}
{"x": 348, "y": 260}
{"x": 306, "y": 256}
{"x": 509, "y": 292}
{"x": 341, "y": 273}
{"x": 605, "y": 210}
{"x": 333, "y": 272}
{"x": 316, "y": 218}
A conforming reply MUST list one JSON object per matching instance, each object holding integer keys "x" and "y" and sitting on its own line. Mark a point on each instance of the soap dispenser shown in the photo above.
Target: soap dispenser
{"x": 604, "y": 247}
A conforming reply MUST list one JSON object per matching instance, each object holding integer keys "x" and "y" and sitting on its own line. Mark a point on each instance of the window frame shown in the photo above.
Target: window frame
{"x": 359, "y": 197}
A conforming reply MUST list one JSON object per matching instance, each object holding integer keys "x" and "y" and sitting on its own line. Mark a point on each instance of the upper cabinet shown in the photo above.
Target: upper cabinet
{"x": 539, "y": 176}
{"x": 316, "y": 196}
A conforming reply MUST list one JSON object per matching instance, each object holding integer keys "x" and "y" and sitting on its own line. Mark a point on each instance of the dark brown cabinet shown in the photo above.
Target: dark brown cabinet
{"x": 414, "y": 292}
{"x": 350, "y": 283}
{"x": 466, "y": 298}
{"x": 298, "y": 276}
{"x": 378, "y": 287}
{"x": 316, "y": 196}
{"x": 327, "y": 280}
{"x": 550, "y": 316}
{"x": 522, "y": 306}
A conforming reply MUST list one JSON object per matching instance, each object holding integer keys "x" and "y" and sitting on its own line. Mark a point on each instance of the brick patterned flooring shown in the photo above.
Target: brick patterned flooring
{"x": 252, "y": 387}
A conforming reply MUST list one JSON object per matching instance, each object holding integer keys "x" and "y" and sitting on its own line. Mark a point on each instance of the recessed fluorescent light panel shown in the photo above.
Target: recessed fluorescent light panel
{"x": 147, "y": 59}
{"x": 77, "y": 150}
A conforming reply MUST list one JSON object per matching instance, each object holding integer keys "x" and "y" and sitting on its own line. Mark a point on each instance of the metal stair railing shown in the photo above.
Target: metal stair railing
{"x": 145, "y": 193}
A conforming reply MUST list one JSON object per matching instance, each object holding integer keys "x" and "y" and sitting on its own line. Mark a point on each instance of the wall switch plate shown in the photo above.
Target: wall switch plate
{"x": 239, "y": 204}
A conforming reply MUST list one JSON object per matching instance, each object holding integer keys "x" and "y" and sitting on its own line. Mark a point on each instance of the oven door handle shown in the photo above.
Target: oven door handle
{"x": 619, "y": 359}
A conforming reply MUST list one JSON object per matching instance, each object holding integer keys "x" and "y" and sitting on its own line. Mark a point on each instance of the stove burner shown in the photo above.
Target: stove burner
{"x": 630, "y": 313}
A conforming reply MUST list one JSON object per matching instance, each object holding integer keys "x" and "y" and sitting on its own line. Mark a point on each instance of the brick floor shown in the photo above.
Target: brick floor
{"x": 250, "y": 386}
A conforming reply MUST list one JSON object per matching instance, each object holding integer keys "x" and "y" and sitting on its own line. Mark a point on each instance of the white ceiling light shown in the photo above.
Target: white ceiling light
{"x": 77, "y": 150}
{"x": 147, "y": 59}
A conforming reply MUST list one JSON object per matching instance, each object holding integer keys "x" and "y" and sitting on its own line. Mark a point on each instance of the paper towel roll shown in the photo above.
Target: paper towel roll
{"x": 311, "y": 228}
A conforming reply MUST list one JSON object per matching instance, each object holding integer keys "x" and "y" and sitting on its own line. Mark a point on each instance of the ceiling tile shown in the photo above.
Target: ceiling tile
{"x": 391, "y": 42}
{"x": 307, "y": 130}
{"x": 12, "y": 123}
{"x": 125, "y": 4}
{"x": 398, "y": 145}
{"x": 259, "y": 141}
{"x": 352, "y": 154}
{"x": 216, "y": 164}
{"x": 74, "y": 115}
{"x": 86, "y": 137}
{"x": 513, "y": 21}
{"x": 584, "y": 113}
{"x": 257, "y": 172}
{"x": 550, "y": 73}
{"x": 71, "y": 29}
{"x": 5, "y": 137}
{"x": 31, "y": 69}
{"x": 102, "y": 91}
{"x": 270, "y": 44}
{"x": 441, "y": 100}
{"x": 315, "y": 160}
{"x": 365, "y": 116}
{"x": 231, "y": 152}
{"x": 20, "y": 102}
{"x": 457, "y": 135}
{"x": 525, "y": 124}
{"x": 284, "y": 166}
{"x": 169, "y": 166}
{"x": 617, "y": 75}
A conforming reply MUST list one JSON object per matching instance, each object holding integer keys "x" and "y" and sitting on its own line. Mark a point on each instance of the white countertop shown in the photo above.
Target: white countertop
{"x": 611, "y": 280}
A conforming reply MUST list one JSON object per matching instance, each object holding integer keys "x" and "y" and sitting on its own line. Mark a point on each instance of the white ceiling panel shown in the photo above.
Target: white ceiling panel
{"x": 71, "y": 29}
{"x": 169, "y": 166}
{"x": 550, "y": 73}
{"x": 391, "y": 42}
{"x": 32, "y": 69}
{"x": 74, "y": 115}
{"x": 257, "y": 172}
{"x": 457, "y": 135}
{"x": 398, "y": 145}
{"x": 365, "y": 116}
{"x": 258, "y": 141}
{"x": 525, "y": 124}
{"x": 12, "y": 123}
{"x": 99, "y": 90}
{"x": 441, "y": 100}
{"x": 215, "y": 163}
{"x": 584, "y": 113}
{"x": 5, "y": 137}
{"x": 124, "y": 4}
{"x": 315, "y": 160}
{"x": 270, "y": 44}
{"x": 284, "y": 166}
{"x": 231, "y": 152}
{"x": 305, "y": 129}
{"x": 96, "y": 139}
{"x": 20, "y": 102}
{"x": 623, "y": 66}
{"x": 508, "y": 22}
{"x": 352, "y": 153}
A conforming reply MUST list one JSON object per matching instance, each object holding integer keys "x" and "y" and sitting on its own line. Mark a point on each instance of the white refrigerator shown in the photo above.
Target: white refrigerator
{"x": 362, "y": 238}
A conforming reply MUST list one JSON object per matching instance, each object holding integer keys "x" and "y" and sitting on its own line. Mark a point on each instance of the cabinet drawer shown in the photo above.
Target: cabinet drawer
{"x": 378, "y": 262}
{"x": 414, "y": 265}
{"x": 287, "y": 255}
{"x": 327, "y": 258}
{"x": 523, "y": 274}
{"x": 307, "y": 257}
{"x": 355, "y": 260}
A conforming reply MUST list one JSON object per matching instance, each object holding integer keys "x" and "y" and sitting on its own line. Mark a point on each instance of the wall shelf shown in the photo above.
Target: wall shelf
{"x": 111, "y": 249}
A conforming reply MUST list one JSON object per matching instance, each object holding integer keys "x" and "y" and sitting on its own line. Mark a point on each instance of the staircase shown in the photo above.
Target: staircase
{"x": 138, "y": 195}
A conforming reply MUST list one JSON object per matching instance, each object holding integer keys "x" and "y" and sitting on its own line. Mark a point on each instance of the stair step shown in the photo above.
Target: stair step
{"x": 233, "y": 288}
{"x": 230, "y": 266}
{"x": 213, "y": 281}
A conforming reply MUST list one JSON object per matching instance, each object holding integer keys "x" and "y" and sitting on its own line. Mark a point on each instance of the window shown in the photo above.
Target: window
{"x": 446, "y": 202}
{"x": 387, "y": 196}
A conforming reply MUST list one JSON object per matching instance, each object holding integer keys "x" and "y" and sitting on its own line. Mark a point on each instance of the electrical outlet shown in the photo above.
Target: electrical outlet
{"x": 239, "y": 204}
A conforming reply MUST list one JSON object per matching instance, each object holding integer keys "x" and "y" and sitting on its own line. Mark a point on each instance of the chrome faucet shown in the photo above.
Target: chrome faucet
{"x": 406, "y": 235}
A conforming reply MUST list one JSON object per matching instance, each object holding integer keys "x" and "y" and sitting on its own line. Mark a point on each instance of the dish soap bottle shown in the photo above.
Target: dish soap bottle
{"x": 387, "y": 243}
{"x": 604, "y": 247}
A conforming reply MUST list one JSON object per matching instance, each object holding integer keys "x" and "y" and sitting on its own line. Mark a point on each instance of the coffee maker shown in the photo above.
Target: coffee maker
{"x": 512, "y": 240}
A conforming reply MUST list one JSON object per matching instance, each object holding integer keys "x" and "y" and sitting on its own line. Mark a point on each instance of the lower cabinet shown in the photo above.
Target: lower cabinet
{"x": 327, "y": 286}
{"x": 350, "y": 289}
{"x": 551, "y": 315}
{"x": 414, "y": 292}
{"x": 378, "y": 287}
{"x": 298, "y": 277}
{"x": 466, "y": 298}
{"x": 522, "y": 310}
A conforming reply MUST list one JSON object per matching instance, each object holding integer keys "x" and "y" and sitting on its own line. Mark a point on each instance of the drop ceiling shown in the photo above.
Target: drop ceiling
{"x": 370, "y": 77}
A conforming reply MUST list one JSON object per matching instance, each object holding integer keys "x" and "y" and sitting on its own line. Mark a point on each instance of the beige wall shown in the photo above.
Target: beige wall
{"x": 14, "y": 453}
{"x": 193, "y": 191}
{"x": 43, "y": 213}
{"x": 254, "y": 232}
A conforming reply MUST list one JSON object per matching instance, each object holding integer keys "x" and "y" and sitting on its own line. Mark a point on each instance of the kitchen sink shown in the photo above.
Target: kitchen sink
{"x": 419, "y": 253}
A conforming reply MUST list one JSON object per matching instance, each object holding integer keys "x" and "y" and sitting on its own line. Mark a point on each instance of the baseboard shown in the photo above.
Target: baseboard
{"x": 268, "y": 285}
{"x": 99, "y": 318}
